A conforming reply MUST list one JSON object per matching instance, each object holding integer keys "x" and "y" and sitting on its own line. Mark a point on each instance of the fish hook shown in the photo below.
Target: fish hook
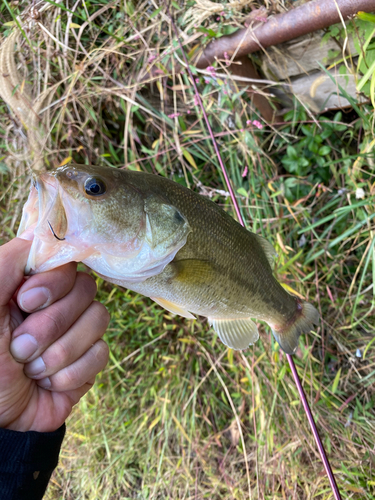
{"x": 53, "y": 232}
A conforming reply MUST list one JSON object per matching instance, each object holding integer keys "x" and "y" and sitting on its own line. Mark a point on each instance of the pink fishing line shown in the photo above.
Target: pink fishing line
{"x": 293, "y": 368}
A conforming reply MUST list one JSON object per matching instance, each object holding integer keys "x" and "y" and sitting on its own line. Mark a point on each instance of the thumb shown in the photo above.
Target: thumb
{"x": 13, "y": 259}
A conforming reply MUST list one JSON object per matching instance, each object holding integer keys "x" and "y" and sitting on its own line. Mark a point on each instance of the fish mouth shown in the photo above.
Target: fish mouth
{"x": 44, "y": 211}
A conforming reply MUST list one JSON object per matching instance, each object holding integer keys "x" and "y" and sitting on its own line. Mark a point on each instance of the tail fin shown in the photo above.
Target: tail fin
{"x": 287, "y": 337}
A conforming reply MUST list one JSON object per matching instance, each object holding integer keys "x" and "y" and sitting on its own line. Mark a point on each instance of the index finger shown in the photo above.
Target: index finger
{"x": 43, "y": 289}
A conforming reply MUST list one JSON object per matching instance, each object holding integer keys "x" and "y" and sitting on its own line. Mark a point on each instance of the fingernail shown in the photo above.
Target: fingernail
{"x": 36, "y": 367}
{"x": 34, "y": 299}
{"x": 45, "y": 383}
{"x": 23, "y": 347}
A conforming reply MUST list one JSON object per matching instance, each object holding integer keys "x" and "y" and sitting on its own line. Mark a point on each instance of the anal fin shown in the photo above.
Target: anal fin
{"x": 237, "y": 333}
{"x": 172, "y": 307}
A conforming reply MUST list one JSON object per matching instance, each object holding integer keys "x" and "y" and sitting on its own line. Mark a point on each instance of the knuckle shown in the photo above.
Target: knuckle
{"x": 100, "y": 316}
{"x": 85, "y": 369}
{"x": 88, "y": 283}
{"x": 58, "y": 354}
{"x": 54, "y": 322}
{"x": 103, "y": 352}
{"x": 99, "y": 354}
{"x": 67, "y": 276}
{"x": 90, "y": 383}
{"x": 73, "y": 377}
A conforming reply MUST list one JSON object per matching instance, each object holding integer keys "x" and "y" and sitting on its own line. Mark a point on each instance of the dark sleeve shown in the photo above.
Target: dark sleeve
{"x": 27, "y": 460}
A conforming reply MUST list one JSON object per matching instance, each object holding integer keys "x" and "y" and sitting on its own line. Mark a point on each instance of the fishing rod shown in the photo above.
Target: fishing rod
{"x": 293, "y": 368}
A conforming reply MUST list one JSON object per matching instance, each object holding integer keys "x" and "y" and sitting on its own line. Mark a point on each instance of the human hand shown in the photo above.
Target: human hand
{"x": 60, "y": 339}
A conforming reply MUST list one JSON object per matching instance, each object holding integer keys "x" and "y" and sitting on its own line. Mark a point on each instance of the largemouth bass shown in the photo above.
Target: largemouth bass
{"x": 160, "y": 239}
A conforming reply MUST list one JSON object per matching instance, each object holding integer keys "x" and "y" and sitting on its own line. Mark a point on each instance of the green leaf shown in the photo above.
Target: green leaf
{"x": 336, "y": 381}
{"x": 155, "y": 13}
{"x": 372, "y": 90}
{"x": 286, "y": 266}
{"x": 337, "y": 117}
{"x": 242, "y": 192}
{"x": 368, "y": 347}
{"x": 211, "y": 33}
{"x": 307, "y": 130}
{"x": 327, "y": 132}
{"x": 189, "y": 158}
{"x": 324, "y": 150}
{"x": 320, "y": 161}
{"x": 282, "y": 372}
{"x": 228, "y": 29}
{"x": 303, "y": 162}
{"x": 340, "y": 128}
{"x": 129, "y": 8}
{"x": 291, "y": 152}
{"x": 17, "y": 22}
{"x": 365, "y": 16}
{"x": 366, "y": 77}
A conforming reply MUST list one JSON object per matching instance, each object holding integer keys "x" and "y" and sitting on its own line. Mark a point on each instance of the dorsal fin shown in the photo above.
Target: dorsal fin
{"x": 267, "y": 248}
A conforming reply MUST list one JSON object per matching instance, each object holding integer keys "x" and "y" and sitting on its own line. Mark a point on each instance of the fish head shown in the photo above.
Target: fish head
{"x": 97, "y": 216}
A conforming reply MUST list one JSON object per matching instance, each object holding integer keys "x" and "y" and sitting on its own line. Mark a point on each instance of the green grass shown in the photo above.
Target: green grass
{"x": 176, "y": 415}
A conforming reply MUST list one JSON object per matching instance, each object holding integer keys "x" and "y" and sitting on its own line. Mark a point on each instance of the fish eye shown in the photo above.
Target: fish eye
{"x": 94, "y": 186}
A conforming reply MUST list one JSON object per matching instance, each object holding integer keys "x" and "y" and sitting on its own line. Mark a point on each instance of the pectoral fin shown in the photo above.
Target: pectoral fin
{"x": 173, "y": 308}
{"x": 235, "y": 333}
{"x": 192, "y": 271}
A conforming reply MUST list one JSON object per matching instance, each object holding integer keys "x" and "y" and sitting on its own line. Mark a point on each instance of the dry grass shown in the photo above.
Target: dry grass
{"x": 162, "y": 422}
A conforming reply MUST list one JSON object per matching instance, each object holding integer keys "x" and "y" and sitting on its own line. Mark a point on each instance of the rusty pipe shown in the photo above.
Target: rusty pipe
{"x": 307, "y": 18}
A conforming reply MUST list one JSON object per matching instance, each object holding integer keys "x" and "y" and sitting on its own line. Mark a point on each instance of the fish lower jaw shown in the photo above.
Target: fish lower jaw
{"x": 47, "y": 253}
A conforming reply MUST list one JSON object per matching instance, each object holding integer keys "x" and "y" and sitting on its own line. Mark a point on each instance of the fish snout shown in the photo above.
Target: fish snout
{"x": 46, "y": 181}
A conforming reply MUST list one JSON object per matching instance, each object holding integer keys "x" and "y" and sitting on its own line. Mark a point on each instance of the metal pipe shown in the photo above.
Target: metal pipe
{"x": 306, "y": 18}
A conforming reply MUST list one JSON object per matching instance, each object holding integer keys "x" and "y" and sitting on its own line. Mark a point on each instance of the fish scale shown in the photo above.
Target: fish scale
{"x": 240, "y": 270}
